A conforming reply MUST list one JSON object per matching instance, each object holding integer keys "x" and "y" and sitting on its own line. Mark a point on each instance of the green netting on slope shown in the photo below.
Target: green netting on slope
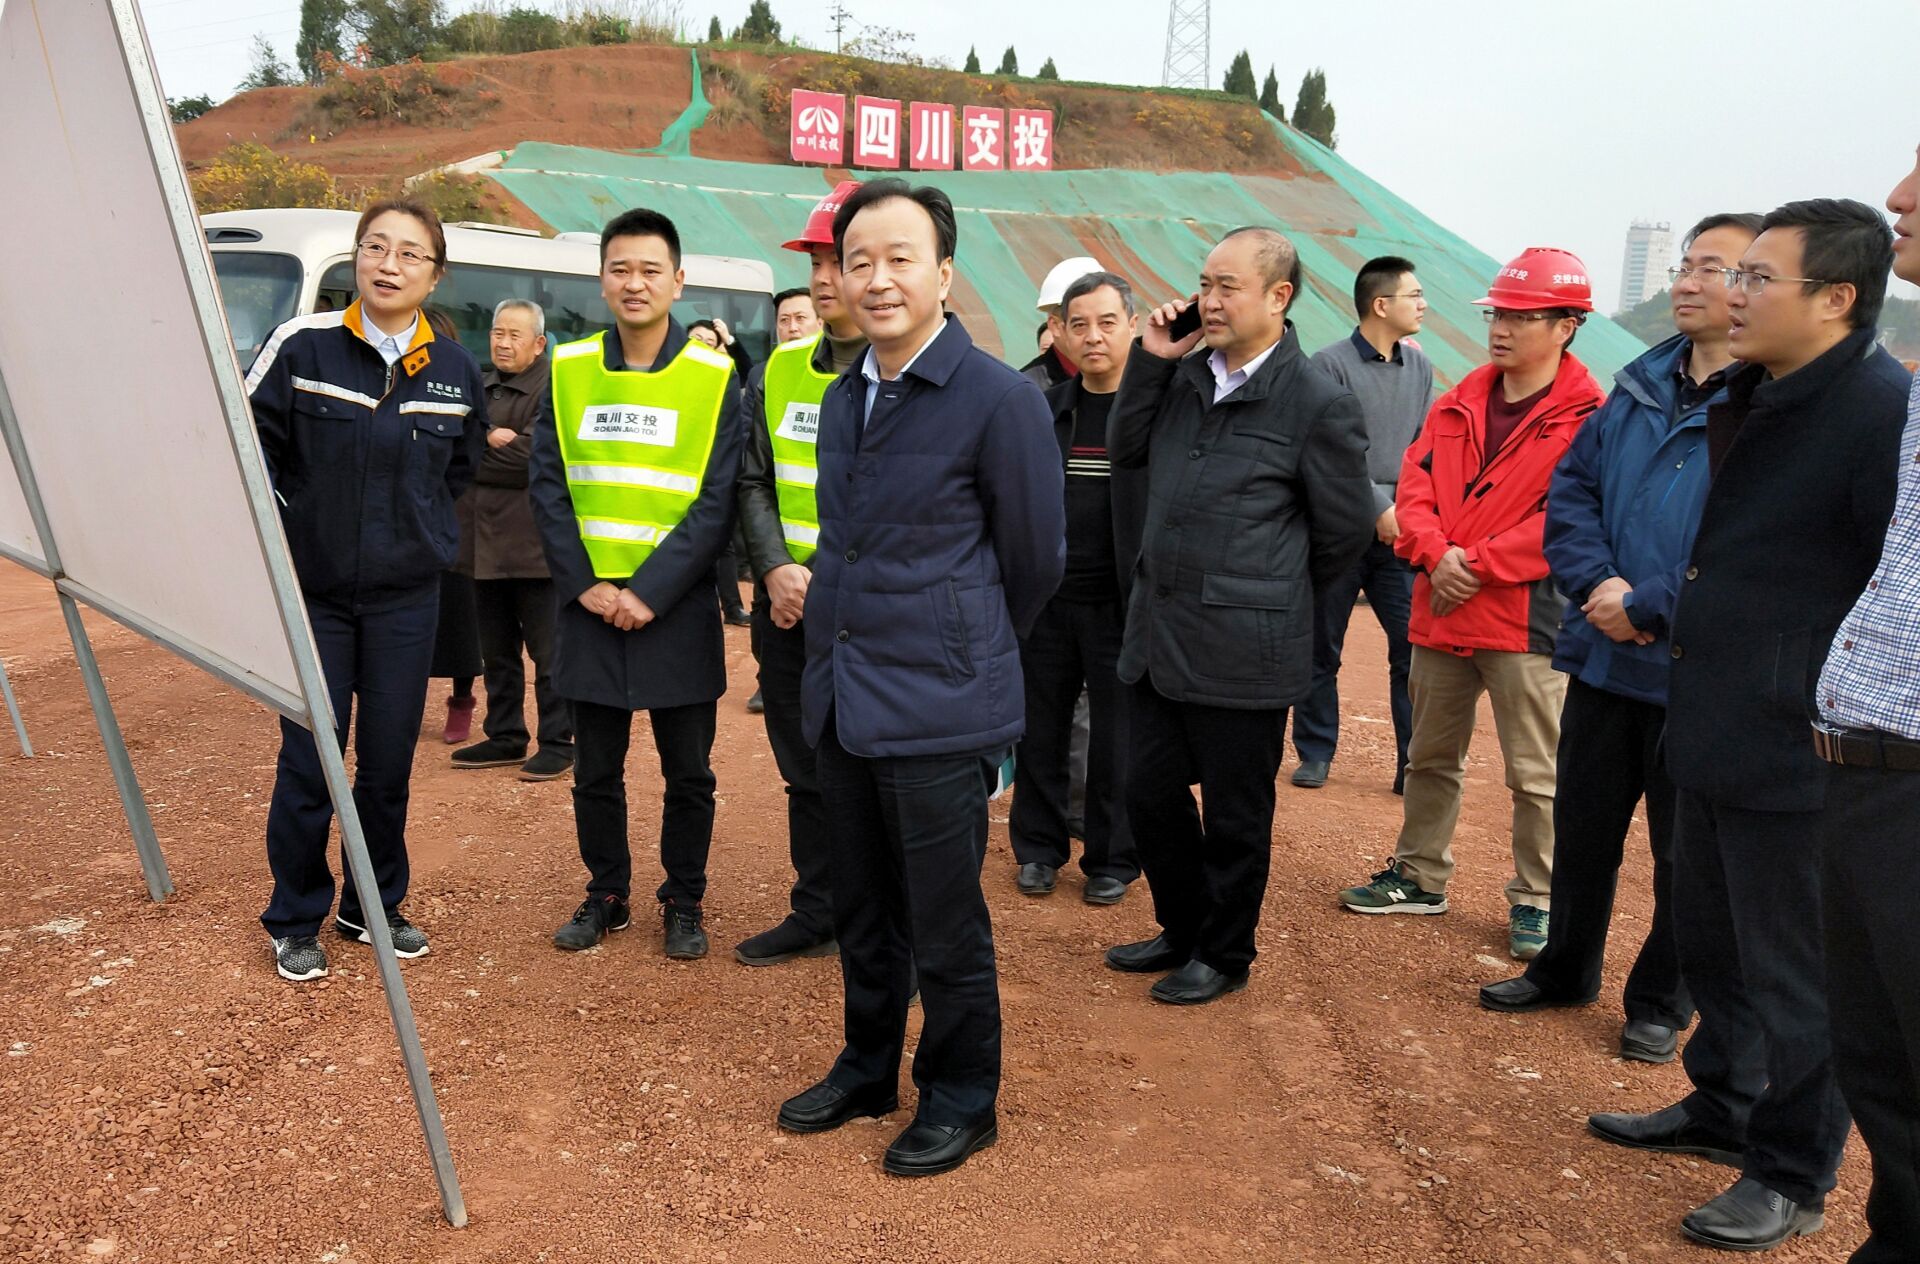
{"x": 1154, "y": 228}
{"x": 677, "y": 140}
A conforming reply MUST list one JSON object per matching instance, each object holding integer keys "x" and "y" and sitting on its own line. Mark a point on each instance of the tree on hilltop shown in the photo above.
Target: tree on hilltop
{"x": 714, "y": 33}
{"x": 973, "y": 63}
{"x": 1270, "y": 96}
{"x": 320, "y": 24}
{"x": 268, "y": 70}
{"x": 761, "y": 27}
{"x": 1048, "y": 71}
{"x": 1312, "y": 112}
{"x": 1009, "y": 63}
{"x": 1240, "y": 81}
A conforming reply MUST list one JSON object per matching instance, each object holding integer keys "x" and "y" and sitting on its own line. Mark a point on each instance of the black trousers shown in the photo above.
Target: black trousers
{"x": 1747, "y": 910}
{"x": 726, "y": 577}
{"x": 1388, "y": 583}
{"x": 683, "y": 736}
{"x": 517, "y": 613}
{"x": 1073, "y": 644}
{"x": 1208, "y": 879}
{"x": 910, "y": 837}
{"x": 1868, "y": 833}
{"x": 783, "y": 655}
{"x": 1610, "y": 751}
{"x": 378, "y": 661}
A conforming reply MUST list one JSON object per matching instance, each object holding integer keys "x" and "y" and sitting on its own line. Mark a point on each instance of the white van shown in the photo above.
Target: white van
{"x": 277, "y": 264}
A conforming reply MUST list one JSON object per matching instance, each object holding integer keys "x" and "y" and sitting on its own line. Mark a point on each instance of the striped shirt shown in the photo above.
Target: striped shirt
{"x": 1872, "y": 676}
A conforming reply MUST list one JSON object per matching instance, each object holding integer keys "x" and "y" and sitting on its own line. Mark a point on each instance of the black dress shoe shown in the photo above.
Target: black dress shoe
{"x": 826, "y": 1106}
{"x": 1196, "y": 983}
{"x": 1036, "y": 879}
{"x": 790, "y": 939}
{"x": 1103, "y": 890}
{"x": 1520, "y": 994}
{"x": 1670, "y": 1131}
{"x": 926, "y": 1149}
{"x": 1648, "y": 1042}
{"x": 1311, "y": 774}
{"x": 1751, "y": 1217}
{"x": 1149, "y": 956}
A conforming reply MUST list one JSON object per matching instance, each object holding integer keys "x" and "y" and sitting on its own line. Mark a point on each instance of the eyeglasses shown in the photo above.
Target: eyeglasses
{"x": 1494, "y": 315}
{"x": 1756, "y": 282}
{"x": 378, "y": 250}
{"x": 1410, "y": 294}
{"x": 1706, "y": 274}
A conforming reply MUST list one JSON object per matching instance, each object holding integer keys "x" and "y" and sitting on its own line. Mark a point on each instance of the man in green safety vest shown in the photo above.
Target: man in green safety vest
{"x": 632, "y": 482}
{"x": 781, "y": 405}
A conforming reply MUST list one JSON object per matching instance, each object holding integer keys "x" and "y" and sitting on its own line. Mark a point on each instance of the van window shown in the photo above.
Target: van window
{"x": 261, "y": 291}
{"x": 468, "y": 294}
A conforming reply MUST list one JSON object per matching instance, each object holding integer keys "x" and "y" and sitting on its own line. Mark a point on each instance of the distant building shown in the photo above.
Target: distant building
{"x": 1644, "y": 274}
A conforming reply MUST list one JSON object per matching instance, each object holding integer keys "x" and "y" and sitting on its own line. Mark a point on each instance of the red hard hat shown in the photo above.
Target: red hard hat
{"x": 819, "y": 229}
{"x": 1541, "y": 277}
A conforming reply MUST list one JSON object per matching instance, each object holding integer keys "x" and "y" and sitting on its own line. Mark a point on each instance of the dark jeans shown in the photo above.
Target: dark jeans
{"x": 1746, "y": 897}
{"x": 1073, "y": 643}
{"x": 515, "y": 613}
{"x": 1207, "y": 879}
{"x": 379, "y": 660}
{"x": 1868, "y": 830}
{"x": 1388, "y": 583}
{"x": 909, "y": 838}
{"x": 683, "y": 736}
{"x": 783, "y": 655}
{"x": 1610, "y": 756}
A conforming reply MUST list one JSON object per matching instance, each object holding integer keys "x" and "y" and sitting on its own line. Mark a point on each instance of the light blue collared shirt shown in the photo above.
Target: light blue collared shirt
{"x": 390, "y": 346}
{"x": 870, "y": 369}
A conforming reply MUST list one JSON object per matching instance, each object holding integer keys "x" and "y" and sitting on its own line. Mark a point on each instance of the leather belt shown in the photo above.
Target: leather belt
{"x": 1865, "y": 748}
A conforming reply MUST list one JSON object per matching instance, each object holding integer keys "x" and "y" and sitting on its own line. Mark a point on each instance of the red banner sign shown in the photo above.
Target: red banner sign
{"x": 817, "y": 131}
{"x": 932, "y": 136}
{"x": 983, "y": 143}
{"x": 876, "y": 132}
{"x": 1032, "y": 140}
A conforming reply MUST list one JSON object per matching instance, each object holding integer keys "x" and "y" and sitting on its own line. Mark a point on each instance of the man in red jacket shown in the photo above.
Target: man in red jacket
{"x": 1472, "y": 506}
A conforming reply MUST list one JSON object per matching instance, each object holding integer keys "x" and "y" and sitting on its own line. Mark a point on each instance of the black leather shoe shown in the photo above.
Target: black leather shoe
{"x": 1670, "y": 1131}
{"x": 790, "y": 939}
{"x": 1751, "y": 1217}
{"x": 825, "y": 1107}
{"x": 1104, "y": 890}
{"x": 1149, "y": 956}
{"x": 1311, "y": 774}
{"x": 926, "y": 1149}
{"x": 1036, "y": 879}
{"x": 685, "y": 940}
{"x": 1520, "y": 994}
{"x": 1648, "y": 1042}
{"x": 1196, "y": 983}
{"x": 593, "y": 921}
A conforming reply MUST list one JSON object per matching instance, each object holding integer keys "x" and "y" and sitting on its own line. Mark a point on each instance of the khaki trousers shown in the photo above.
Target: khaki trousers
{"x": 1445, "y": 689}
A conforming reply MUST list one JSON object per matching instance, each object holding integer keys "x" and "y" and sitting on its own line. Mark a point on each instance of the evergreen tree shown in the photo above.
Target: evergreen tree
{"x": 973, "y": 62}
{"x": 1240, "y": 81}
{"x": 187, "y": 109}
{"x": 1270, "y": 96}
{"x": 268, "y": 70}
{"x": 320, "y": 22}
{"x": 1047, "y": 71}
{"x": 1312, "y": 112}
{"x": 714, "y": 33}
{"x": 1009, "y": 64}
{"x": 761, "y": 27}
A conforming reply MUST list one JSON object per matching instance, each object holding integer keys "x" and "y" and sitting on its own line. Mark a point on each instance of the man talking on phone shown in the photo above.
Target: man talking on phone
{"x": 1257, "y": 493}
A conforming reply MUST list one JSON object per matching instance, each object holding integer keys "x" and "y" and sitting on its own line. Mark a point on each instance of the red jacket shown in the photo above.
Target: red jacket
{"x": 1451, "y": 494}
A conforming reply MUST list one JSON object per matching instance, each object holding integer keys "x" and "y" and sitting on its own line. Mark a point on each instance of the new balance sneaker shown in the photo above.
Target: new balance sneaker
{"x": 685, "y": 940}
{"x": 1389, "y": 892}
{"x": 597, "y": 917}
{"x": 299, "y": 958}
{"x": 1526, "y": 931}
{"x": 409, "y": 941}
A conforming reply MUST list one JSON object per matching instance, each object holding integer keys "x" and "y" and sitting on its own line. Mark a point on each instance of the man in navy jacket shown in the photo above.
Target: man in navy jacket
{"x": 942, "y": 534}
{"x": 1621, "y": 514}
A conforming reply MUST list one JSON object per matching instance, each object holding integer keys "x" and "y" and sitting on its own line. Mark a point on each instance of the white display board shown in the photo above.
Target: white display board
{"x": 105, "y": 359}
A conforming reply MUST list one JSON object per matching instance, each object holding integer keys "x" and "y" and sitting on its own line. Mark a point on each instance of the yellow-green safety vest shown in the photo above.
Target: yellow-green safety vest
{"x": 635, "y": 445}
{"x": 794, "y": 389}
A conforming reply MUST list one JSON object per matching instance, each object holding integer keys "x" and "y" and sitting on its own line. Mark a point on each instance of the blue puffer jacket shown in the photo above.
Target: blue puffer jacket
{"x": 942, "y": 533}
{"x": 1626, "y": 501}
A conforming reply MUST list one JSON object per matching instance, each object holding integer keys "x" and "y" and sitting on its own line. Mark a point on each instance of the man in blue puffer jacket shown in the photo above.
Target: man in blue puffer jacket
{"x": 1621, "y": 515}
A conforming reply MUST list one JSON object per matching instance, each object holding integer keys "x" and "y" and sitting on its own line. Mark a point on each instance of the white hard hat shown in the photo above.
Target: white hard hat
{"x": 1065, "y": 273}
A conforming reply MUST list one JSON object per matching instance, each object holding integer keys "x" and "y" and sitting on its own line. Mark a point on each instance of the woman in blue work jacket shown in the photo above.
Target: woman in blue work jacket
{"x": 370, "y": 427}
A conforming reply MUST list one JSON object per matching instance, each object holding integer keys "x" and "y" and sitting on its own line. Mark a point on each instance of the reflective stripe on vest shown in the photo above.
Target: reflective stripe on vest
{"x": 794, "y": 389}
{"x": 635, "y": 445}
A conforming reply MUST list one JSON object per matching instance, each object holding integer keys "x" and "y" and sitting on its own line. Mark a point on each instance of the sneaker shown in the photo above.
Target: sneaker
{"x": 597, "y": 917}
{"x": 459, "y": 726}
{"x": 1389, "y": 892}
{"x": 685, "y": 940}
{"x": 1526, "y": 931}
{"x": 492, "y": 753}
{"x": 299, "y": 958}
{"x": 409, "y": 941}
{"x": 546, "y": 765}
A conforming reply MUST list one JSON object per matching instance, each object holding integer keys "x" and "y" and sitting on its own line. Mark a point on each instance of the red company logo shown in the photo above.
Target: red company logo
{"x": 817, "y": 133}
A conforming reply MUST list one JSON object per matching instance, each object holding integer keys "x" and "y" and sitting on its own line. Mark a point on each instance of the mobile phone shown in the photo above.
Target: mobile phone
{"x": 1185, "y": 323}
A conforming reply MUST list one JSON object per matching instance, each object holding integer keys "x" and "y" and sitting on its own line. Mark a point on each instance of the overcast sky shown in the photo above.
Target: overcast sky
{"x": 1512, "y": 124}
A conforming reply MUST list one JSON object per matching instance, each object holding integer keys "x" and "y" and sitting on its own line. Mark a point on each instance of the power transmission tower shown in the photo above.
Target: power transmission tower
{"x": 840, "y": 17}
{"x": 1187, "y": 64}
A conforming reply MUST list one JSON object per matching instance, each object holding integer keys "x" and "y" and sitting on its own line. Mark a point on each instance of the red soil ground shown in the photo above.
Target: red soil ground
{"x": 165, "y": 1097}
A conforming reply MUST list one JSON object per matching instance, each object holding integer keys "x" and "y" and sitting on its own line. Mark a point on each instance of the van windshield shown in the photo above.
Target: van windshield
{"x": 572, "y": 304}
{"x": 261, "y": 291}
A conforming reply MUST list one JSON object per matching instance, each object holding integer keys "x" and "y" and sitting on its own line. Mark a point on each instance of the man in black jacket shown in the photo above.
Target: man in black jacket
{"x": 1074, "y": 646}
{"x": 1803, "y": 455}
{"x": 1257, "y": 493}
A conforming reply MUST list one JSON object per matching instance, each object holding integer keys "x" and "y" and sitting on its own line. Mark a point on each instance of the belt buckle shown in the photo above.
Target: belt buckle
{"x": 1826, "y": 743}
